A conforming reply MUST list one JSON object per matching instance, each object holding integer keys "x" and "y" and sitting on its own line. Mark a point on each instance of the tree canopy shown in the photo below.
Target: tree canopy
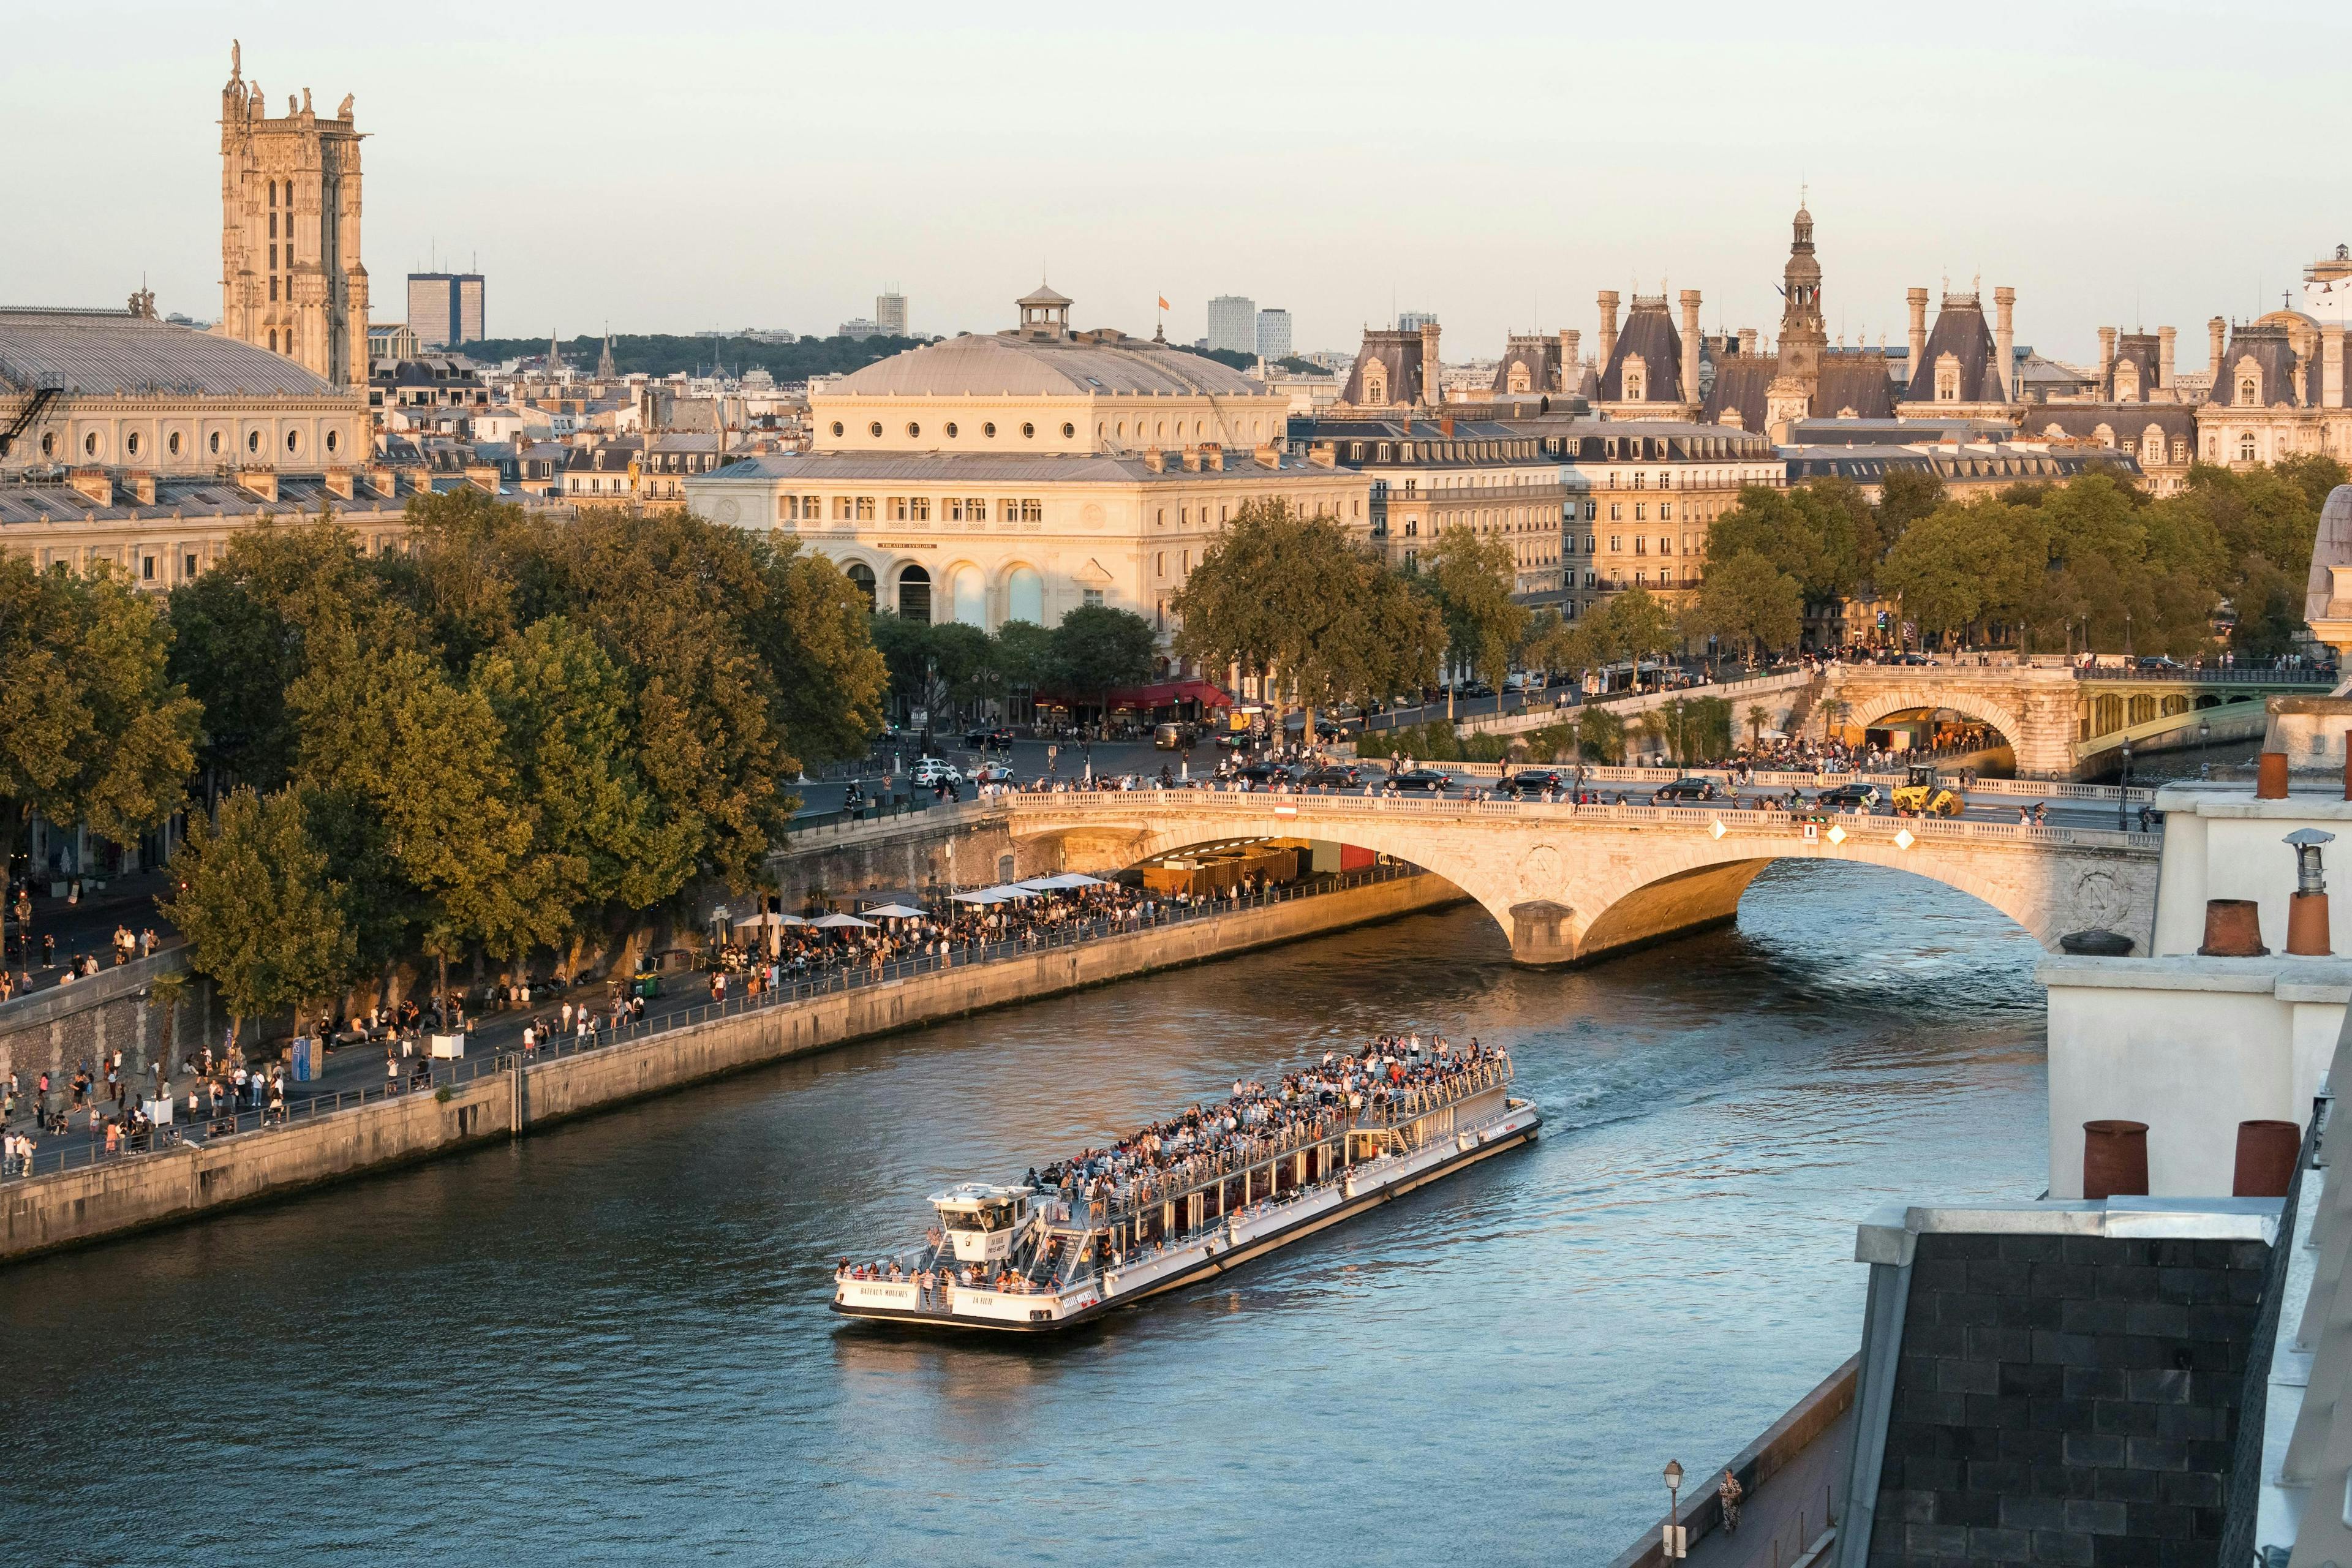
{"x": 1472, "y": 578}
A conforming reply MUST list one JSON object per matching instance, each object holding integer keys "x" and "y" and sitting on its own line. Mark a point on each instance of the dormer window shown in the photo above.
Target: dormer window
{"x": 2249, "y": 391}
{"x": 1948, "y": 379}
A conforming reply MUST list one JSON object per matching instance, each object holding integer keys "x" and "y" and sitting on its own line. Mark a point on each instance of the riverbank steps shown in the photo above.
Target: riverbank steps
{"x": 115, "y": 1197}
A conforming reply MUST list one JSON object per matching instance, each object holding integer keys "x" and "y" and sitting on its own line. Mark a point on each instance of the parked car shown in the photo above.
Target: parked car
{"x": 1427, "y": 780}
{"x": 933, "y": 771}
{"x": 1338, "y": 775}
{"x": 1261, "y": 775}
{"x": 1848, "y": 794}
{"x": 1684, "y": 788}
{"x": 1535, "y": 781}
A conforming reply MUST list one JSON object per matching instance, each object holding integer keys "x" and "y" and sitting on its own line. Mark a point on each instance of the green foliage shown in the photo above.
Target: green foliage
{"x": 1552, "y": 743}
{"x": 261, "y": 914}
{"x": 1472, "y": 578}
{"x": 1485, "y": 748}
{"x": 1823, "y": 533}
{"x": 660, "y": 354}
{"x": 1434, "y": 742}
{"x": 1693, "y": 730}
{"x": 1905, "y": 495}
{"x": 1023, "y": 655}
{"x": 92, "y": 728}
{"x": 1297, "y": 366}
{"x": 1599, "y": 736}
{"x": 1097, "y": 648}
{"x": 1232, "y": 358}
{"x": 1283, "y": 592}
{"x": 1750, "y": 603}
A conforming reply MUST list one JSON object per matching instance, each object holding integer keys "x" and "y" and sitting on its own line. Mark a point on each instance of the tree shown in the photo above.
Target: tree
{"x": 598, "y": 838}
{"x": 1905, "y": 495}
{"x": 1757, "y": 719}
{"x": 92, "y": 728}
{"x": 1473, "y": 577}
{"x": 1024, "y": 656}
{"x": 262, "y": 916}
{"x": 1600, "y": 735}
{"x": 1294, "y": 596}
{"x": 1749, "y": 601}
{"x": 1637, "y": 624}
{"x": 1097, "y": 648}
{"x": 1823, "y": 533}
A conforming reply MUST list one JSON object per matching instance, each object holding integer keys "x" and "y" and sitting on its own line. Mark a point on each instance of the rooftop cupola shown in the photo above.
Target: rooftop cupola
{"x": 1045, "y": 313}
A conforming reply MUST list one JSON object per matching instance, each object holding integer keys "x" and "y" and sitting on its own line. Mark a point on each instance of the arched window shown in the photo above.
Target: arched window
{"x": 2249, "y": 391}
{"x": 2246, "y": 446}
{"x": 970, "y": 595}
{"x": 861, "y": 577}
{"x": 1024, "y": 596}
{"x": 915, "y": 595}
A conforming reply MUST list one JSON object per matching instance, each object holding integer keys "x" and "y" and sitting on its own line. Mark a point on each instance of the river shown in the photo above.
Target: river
{"x": 609, "y": 1344}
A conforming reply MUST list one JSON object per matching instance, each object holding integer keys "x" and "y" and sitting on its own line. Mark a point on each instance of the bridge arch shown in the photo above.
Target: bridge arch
{"x": 1567, "y": 888}
{"x": 1865, "y": 710}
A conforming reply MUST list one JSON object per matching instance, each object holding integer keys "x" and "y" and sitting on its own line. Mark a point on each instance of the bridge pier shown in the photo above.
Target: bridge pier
{"x": 1543, "y": 933}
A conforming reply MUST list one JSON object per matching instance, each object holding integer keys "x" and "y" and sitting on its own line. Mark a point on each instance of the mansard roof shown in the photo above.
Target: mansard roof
{"x": 2145, "y": 352}
{"x": 1740, "y": 383}
{"x": 1397, "y": 352}
{"x": 1650, "y": 332}
{"x": 1856, "y": 379}
{"x": 1961, "y": 332}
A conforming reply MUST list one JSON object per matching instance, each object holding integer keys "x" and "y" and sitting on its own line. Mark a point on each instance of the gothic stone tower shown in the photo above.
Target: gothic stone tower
{"x": 291, "y": 275}
{"x": 1802, "y": 338}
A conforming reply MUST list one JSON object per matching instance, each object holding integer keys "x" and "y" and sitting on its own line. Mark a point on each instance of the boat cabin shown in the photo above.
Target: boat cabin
{"x": 981, "y": 1221}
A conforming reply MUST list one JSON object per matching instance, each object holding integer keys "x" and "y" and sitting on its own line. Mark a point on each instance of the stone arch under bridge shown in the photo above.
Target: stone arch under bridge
{"x": 1567, "y": 888}
{"x": 1867, "y": 711}
{"x": 2034, "y": 707}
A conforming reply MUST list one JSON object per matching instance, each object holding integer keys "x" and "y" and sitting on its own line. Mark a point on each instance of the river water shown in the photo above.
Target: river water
{"x": 609, "y": 1344}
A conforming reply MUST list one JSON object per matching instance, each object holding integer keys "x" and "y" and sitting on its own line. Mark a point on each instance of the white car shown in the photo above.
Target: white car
{"x": 935, "y": 771}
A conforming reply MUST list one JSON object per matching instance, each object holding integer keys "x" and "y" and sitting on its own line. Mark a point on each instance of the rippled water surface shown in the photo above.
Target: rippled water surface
{"x": 609, "y": 1344}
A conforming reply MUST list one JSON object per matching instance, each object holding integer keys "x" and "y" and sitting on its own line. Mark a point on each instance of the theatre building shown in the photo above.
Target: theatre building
{"x": 1018, "y": 475}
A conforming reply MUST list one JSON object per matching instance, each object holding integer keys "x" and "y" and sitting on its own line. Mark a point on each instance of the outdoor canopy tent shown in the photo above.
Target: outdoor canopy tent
{"x": 1062, "y": 883}
{"x": 895, "y": 913}
{"x": 841, "y": 922}
{"x": 763, "y": 920}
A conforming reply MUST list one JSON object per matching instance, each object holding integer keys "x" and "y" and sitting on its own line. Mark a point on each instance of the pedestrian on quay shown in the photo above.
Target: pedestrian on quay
{"x": 1730, "y": 1493}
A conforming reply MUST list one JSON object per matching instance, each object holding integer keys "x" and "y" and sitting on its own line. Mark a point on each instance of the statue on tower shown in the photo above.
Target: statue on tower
{"x": 344, "y": 112}
{"x": 235, "y": 60}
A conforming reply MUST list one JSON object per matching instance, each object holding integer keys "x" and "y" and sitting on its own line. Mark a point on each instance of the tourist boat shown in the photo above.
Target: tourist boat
{"x": 1050, "y": 1257}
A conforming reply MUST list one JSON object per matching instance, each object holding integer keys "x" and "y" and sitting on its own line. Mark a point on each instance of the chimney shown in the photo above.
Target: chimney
{"x": 483, "y": 477}
{"x": 2164, "y": 336}
{"x": 1192, "y": 459}
{"x": 95, "y": 483}
{"x": 1747, "y": 340}
{"x": 2115, "y": 1159}
{"x": 2306, "y": 912}
{"x": 1155, "y": 461}
{"x": 1323, "y": 455}
{"x": 2214, "y": 330}
{"x": 2107, "y": 359}
{"x": 339, "y": 483}
{"x": 2264, "y": 1168}
{"x": 1446, "y": 426}
{"x": 1690, "y": 346}
{"x": 1606, "y": 349}
{"x": 2331, "y": 364}
{"x": 1572, "y": 358}
{"x": 262, "y": 482}
{"x": 2270, "y": 775}
{"x": 1431, "y": 390}
{"x": 2233, "y": 929}
{"x": 142, "y": 484}
{"x": 2004, "y": 340}
{"x": 1917, "y": 300}
{"x": 1268, "y": 455}
{"x": 379, "y": 478}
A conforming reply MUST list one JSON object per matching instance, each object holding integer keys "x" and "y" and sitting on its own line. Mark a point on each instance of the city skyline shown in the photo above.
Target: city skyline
{"x": 2017, "y": 176}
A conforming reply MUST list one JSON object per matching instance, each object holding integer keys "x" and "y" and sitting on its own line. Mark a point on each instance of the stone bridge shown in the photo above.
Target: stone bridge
{"x": 2061, "y": 721}
{"x": 1565, "y": 883}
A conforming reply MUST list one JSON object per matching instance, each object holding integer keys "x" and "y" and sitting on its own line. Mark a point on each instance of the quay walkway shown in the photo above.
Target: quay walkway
{"x": 499, "y": 1035}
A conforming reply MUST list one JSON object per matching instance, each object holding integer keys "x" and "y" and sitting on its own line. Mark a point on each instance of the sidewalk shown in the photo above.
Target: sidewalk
{"x": 86, "y": 927}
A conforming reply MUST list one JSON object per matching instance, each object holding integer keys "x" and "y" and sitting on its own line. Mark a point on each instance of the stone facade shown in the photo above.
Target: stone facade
{"x": 291, "y": 280}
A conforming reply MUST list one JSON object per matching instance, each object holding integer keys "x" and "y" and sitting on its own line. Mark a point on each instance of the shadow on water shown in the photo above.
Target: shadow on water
{"x": 610, "y": 1344}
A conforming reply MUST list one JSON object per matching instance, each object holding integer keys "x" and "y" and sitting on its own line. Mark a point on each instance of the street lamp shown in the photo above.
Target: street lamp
{"x": 2123, "y": 824}
{"x": 2204, "y": 733}
{"x": 1672, "y": 1544}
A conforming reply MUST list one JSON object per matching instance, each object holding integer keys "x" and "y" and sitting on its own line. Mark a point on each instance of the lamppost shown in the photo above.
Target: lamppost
{"x": 1672, "y": 1545}
{"x": 2127, "y": 640}
{"x": 2123, "y": 822}
{"x": 2204, "y": 733}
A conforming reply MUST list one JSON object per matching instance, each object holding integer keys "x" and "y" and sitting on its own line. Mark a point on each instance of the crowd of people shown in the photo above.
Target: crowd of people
{"x": 1393, "y": 1079}
{"x": 29, "y": 962}
{"x": 101, "y": 1102}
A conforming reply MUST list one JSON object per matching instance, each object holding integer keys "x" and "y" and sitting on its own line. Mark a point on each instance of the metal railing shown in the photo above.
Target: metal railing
{"x": 68, "y": 1151}
{"x": 2234, "y": 675}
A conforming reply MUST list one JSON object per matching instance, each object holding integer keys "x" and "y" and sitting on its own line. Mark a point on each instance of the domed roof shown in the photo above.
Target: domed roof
{"x": 1005, "y": 365}
{"x": 103, "y": 353}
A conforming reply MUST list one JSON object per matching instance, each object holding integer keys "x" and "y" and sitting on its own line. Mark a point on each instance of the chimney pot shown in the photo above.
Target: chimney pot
{"x": 2270, "y": 776}
{"x": 2266, "y": 1156}
{"x": 2115, "y": 1159}
{"x": 2233, "y": 929}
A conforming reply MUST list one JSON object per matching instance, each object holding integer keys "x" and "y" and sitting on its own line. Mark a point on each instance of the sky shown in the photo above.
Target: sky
{"x": 688, "y": 167}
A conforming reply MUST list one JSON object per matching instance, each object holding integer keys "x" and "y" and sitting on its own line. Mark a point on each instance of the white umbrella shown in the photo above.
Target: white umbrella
{"x": 841, "y": 922}
{"x": 765, "y": 920}
{"x": 1079, "y": 880}
{"x": 985, "y": 896}
{"x": 896, "y": 912}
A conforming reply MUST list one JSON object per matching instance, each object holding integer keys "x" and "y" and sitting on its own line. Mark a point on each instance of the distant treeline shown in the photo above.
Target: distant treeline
{"x": 665, "y": 354}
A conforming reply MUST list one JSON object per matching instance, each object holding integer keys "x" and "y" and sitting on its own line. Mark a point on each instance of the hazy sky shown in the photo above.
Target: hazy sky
{"x": 679, "y": 167}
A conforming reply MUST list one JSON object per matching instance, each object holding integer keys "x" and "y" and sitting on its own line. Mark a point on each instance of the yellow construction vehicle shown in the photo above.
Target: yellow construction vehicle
{"x": 1920, "y": 795}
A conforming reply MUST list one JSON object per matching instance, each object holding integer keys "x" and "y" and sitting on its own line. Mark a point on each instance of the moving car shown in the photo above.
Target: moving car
{"x": 982, "y": 739}
{"x": 1176, "y": 737}
{"x": 1848, "y": 794}
{"x": 1262, "y": 774}
{"x": 1685, "y": 788}
{"x": 991, "y": 773}
{"x": 2157, "y": 664}
{"x": 1427, "y": 780}
{"x": 1535, "y": 781}
{"x": 937, "y": 771}
{"x": 1337, "y": 775}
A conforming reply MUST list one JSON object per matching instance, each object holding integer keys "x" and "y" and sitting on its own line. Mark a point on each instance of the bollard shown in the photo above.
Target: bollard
{"x": 2266, "y": 1156}
{"x": 2115, "y": 1159}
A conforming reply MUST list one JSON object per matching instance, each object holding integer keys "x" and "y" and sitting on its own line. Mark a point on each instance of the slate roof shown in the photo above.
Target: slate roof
{"x": 2268, "y": 347}
{"x": 987, "y": 467}
{"x": 2125, "y": 421}
{"x": 1740, "y": 383}
{"x": 1649, "y": 331}
{"x": 1540, "y": 355}
{"x": 1856, "y": 379}
{"x": 2145, "y": 354}
{"x": 1398, "y": 352}
{"x": 31, "y": 503}
{"x": 1961, "y": 332}
{"x": 107, "y": 353}
{"x": 999, "y": 364}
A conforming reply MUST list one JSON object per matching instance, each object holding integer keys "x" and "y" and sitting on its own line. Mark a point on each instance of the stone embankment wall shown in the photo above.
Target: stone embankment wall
{"x": 120, "y": 1196}
{"x": 917, "y": 850}
{"x": 57, "y": 1030}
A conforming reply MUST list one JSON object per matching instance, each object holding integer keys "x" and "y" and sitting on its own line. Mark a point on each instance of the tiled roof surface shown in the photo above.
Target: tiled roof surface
{"x": 102, "y": 354}
{"x": 995, "y": 366}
